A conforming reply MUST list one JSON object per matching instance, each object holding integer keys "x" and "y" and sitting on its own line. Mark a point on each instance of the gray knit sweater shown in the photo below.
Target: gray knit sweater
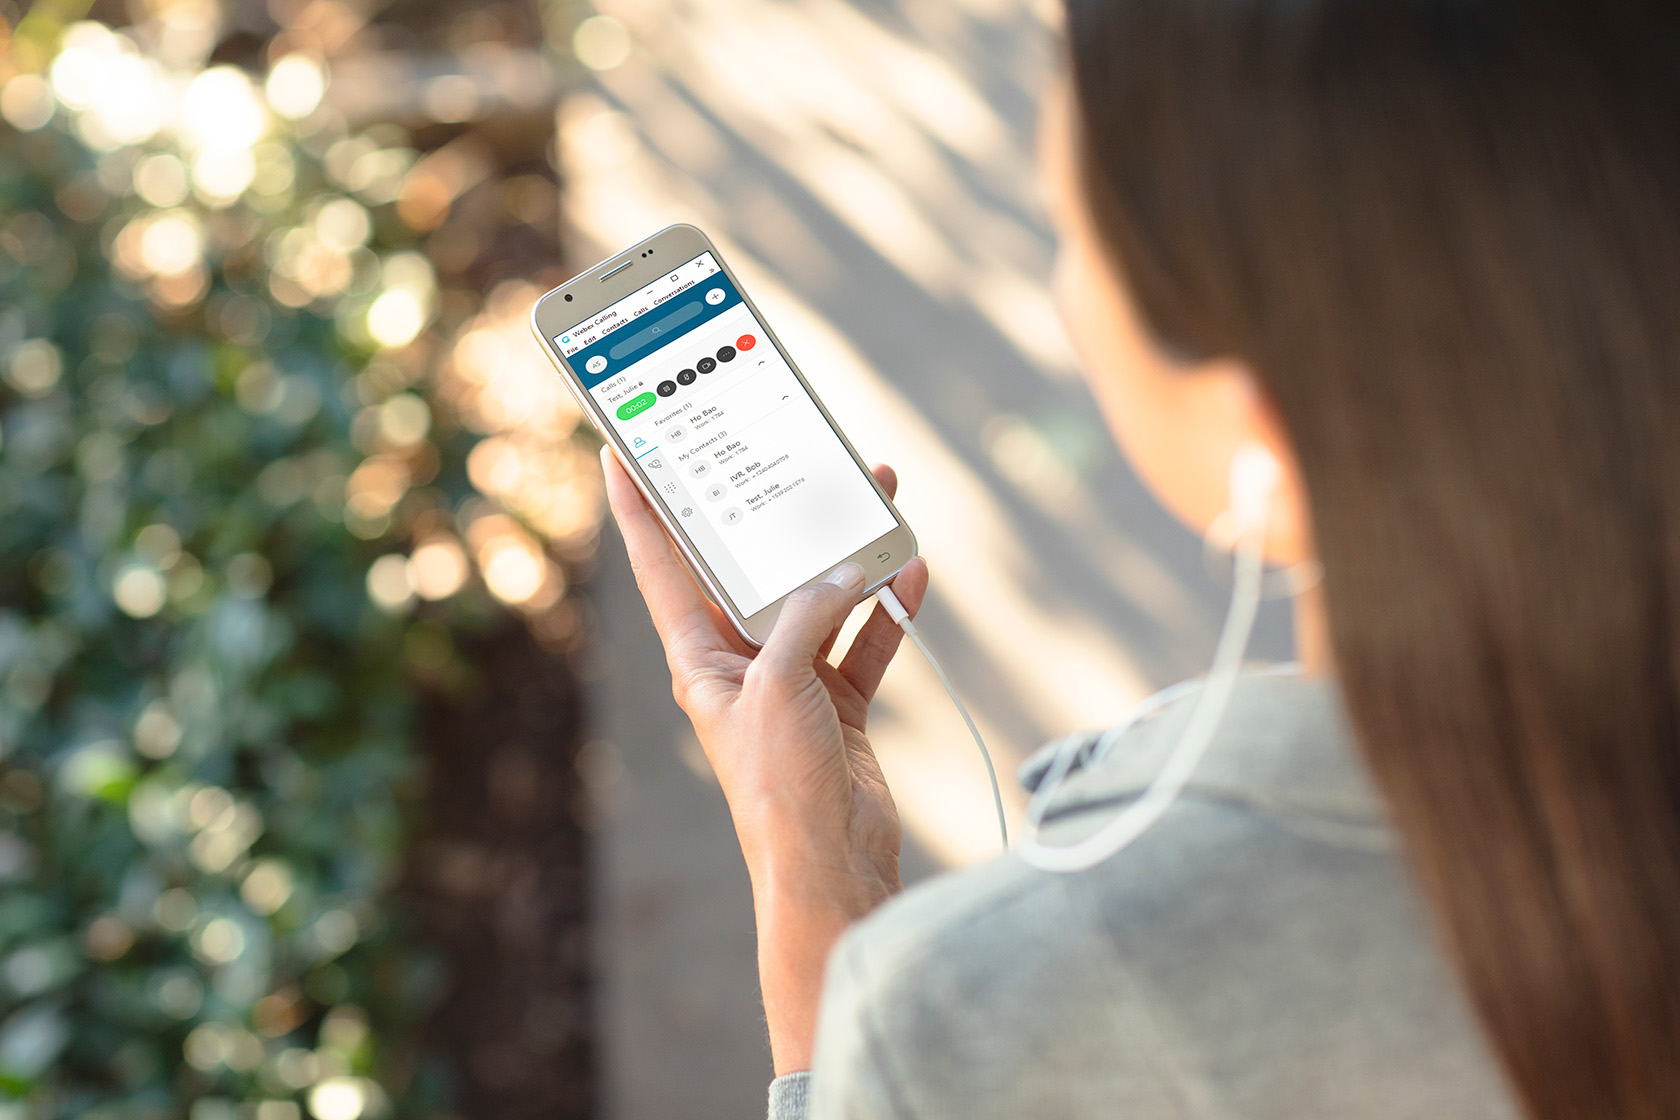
{"x": 1260, "y": 953}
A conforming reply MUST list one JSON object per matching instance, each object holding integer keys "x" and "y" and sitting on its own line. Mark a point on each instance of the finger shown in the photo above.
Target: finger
{"x": 808, "y": 617}
{"x": 876, "y": 642}
{"x": 675, "y": 602}
{"x": 828, "y": 643}
{"x": 887, "y": 477}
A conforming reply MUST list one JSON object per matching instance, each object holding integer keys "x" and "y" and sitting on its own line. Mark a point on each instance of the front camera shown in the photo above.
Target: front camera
{"x": 568, "y": 297}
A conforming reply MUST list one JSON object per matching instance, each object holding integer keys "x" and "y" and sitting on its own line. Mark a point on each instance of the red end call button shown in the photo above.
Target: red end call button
{"x": 745, "y": 342}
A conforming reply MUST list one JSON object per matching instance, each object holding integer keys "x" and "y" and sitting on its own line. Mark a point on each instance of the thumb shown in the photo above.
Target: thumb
{"x": 808, "y": 617}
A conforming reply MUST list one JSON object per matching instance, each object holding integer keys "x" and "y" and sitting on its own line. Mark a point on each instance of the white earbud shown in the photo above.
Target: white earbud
{"x": 1253, "y": 479}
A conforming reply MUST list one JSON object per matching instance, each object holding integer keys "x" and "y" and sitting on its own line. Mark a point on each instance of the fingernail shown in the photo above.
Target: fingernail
{"x": 849, "y": 576}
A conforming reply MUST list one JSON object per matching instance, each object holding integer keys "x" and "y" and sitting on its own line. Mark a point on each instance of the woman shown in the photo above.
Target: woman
{"x": 1426, "y": 253}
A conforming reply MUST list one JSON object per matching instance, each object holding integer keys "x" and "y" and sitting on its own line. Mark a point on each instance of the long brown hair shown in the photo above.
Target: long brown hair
{"x": 1446, "y": 235}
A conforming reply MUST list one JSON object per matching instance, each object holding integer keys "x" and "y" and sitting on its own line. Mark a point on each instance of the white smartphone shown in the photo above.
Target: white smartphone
{"x": 751, "y": 477}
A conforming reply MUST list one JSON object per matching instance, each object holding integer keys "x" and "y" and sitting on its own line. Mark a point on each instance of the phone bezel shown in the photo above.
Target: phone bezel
{"x": 618, "y": 276}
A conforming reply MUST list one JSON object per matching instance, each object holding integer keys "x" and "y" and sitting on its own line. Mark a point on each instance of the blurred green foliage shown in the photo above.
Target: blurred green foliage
{"x": 204, "y": 720}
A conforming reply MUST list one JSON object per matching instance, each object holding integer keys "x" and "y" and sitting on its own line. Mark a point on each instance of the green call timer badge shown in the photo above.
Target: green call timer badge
{"x": 636, "y": 404}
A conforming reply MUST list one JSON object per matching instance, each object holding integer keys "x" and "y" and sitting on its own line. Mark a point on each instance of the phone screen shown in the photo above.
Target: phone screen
{"x": 728, "y": 436}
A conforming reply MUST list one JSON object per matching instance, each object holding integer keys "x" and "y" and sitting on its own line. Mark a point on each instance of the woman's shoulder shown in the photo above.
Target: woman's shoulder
{"x": 1261, "y": 949}
{"x": 969, "y": 996}
{"x": 1279, "y": 796}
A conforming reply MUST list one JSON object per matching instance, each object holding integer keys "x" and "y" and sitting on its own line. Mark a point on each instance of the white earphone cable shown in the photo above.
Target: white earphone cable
{"x": 1254, "y": 475}
{"x": 895, "y": 610}
{"x": 1211, "y": 699}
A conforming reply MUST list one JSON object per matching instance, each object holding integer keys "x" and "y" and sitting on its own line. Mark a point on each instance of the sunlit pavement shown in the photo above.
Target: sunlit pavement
{"x": 868, "y": 169}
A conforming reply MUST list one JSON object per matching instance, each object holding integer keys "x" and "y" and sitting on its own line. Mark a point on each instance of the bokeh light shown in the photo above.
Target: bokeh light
{"x": 513, "y": 564}
{"x": 404, "y": 420}
{"x": 388, "y": 583}
{"x": 295, "y": 86}
{"x": 140, "y": 591}
{"x": 221, "y": 175}
{"x": 338, "y": 1098}
{"x": 79, "y": 73}
{"x": 267, "y": 886}
{"x": 161, "y": 180}
{"x": 171, "y": 243}
{"x": 438, "y": 567}
{"x": 221, "y": 112}
{"x": 26, "y": 102}
{"x": 34, "y": 367}
{"x": 601, "y": 43}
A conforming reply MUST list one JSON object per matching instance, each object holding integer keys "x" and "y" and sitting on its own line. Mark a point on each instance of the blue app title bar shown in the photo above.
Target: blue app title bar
{"x": 646, "y": 333}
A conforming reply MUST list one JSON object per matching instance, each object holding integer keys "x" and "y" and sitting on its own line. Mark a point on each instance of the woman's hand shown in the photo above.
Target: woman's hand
{"x": 784, "y": 733}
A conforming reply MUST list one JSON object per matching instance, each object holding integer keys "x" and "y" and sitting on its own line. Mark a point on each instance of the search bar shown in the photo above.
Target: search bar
{"x": 660, "y": 329}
